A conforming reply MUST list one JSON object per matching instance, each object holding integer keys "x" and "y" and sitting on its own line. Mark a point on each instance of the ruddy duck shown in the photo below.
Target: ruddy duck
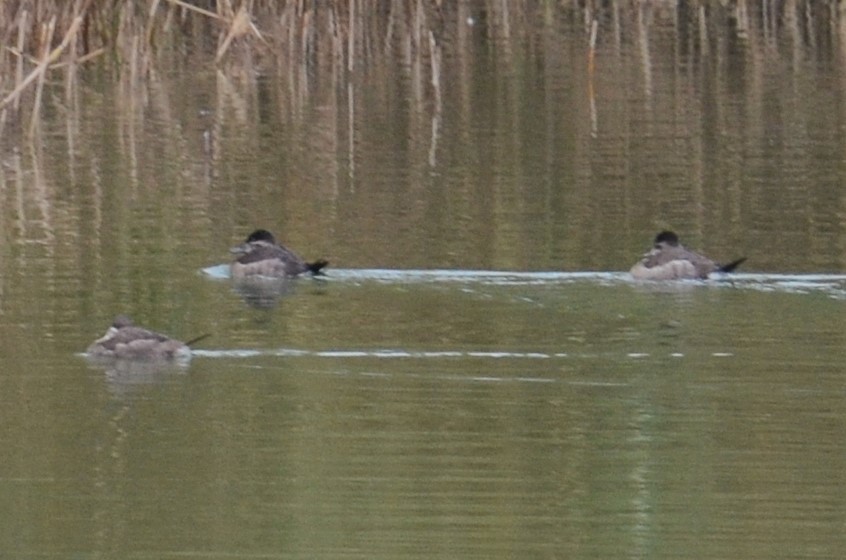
{"x": 669, "y": 260}
{"x": 126, "y": 341}
{"x": 260, "y": 255}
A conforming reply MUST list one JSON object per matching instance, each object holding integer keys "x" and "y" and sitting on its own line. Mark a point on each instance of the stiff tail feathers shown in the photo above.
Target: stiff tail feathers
{"x": 732, "y": 265}
{"x": 197, "y": 339}
{"x": 316, "y": 268}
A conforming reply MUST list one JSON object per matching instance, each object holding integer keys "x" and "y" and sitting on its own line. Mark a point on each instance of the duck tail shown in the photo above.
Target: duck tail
{"x": 316, "y": 268}
{"x": 732, "y": 265}
{"x": 197, "y": 339}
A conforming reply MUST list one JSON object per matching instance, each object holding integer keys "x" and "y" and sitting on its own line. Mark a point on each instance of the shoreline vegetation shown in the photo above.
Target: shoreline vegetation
{"x": 175, "y": 91}
{"x": 51, "y": 39}
{"x": 138, "y": 39}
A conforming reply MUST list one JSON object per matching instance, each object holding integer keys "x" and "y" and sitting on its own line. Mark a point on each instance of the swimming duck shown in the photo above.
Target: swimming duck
{"x": 260, "y": 255}
{"x": 124, "y": 340}
{"x": 670, "y": 260}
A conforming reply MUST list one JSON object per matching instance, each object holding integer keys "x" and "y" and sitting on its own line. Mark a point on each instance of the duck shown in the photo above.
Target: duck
{"x": 261, "y": 255}
{"x": 670, "y": 260}
{"x": 126, "y": 341}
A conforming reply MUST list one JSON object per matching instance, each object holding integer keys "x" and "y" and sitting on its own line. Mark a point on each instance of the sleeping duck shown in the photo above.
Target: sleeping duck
{"x": 260, "y": 255}
{"x": 123, "y": 340}
{"x": 669, "y": 260}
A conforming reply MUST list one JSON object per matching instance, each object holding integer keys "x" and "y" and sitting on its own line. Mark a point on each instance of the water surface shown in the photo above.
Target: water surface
{"x": 476, "y": 376}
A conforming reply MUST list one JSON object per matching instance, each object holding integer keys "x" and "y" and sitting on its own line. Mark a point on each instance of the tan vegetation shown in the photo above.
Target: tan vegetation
{"x": 455, "y": 74}
{"x": 44, "y": 35}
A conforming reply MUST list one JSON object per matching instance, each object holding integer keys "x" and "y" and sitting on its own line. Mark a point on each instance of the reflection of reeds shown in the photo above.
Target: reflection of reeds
{"x": 298, "y": 35}
{"x": 89, "y": 29}
{"x": 456, "y": 66}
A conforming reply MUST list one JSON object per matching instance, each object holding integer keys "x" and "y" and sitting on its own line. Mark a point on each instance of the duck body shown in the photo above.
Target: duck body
{"x": 124, "y": 340}
{"x": 260, "y": 255}
{"x": 670, "y": 260}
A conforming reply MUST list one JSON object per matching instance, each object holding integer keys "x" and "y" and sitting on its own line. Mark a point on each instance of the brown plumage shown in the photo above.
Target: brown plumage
{"x": 670, "y": 260}
{"x": 124, "y": 340}
{"x": 260, "y": 255}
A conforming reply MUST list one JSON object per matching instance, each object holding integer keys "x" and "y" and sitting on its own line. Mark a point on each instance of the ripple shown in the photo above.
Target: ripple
{"x": 395, "y": 354}
{"x": 832, "y": 284}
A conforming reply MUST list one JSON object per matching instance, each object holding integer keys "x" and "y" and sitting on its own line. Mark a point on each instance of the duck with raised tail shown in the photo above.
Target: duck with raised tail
{"x": 126, "y": 341}
{"x": 260, "y": 255}
{"x": 670, "y": 260}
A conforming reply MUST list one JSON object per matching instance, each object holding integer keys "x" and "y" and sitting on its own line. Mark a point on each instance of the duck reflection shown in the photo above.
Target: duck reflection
{"x": 263, "y": 292}
{"x": 133, "y": 355}
{"x": 124, "y": 377}
{"x": 264, "y": 271}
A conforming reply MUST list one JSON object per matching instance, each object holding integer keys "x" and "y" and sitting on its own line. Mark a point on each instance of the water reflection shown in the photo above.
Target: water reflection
{"x": 494, "y": 410}
{"x": 477, "y": 376}
{"x": 832, "y": 285}
{"x": 447, "y": 147}
{"x": 264, "y": 293}
{"x": 123, "y": 377}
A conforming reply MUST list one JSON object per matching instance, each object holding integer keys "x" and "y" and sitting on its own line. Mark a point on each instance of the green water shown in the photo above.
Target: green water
{"x": 389, "y": 411}
{"x": 447, "y": 418}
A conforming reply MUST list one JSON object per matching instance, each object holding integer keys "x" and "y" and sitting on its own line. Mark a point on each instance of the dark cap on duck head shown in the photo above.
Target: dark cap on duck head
{"x": 667, "y": 237}
{"x": 261, "y": 235}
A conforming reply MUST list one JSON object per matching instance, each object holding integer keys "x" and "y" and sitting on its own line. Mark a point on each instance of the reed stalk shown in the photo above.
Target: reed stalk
{"x": 20, "y": 61}
{"x": 344, "y": 36}
{"x": 47, "y": 58}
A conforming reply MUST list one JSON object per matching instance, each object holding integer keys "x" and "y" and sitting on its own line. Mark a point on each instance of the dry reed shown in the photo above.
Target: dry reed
{"x": 292, "y": 35}
{"x": 356, "y": 53}
{"x": 90, "y": 29}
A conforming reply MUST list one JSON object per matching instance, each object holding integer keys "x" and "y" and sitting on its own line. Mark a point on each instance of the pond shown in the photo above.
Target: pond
{"x": 476, "y": 375}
